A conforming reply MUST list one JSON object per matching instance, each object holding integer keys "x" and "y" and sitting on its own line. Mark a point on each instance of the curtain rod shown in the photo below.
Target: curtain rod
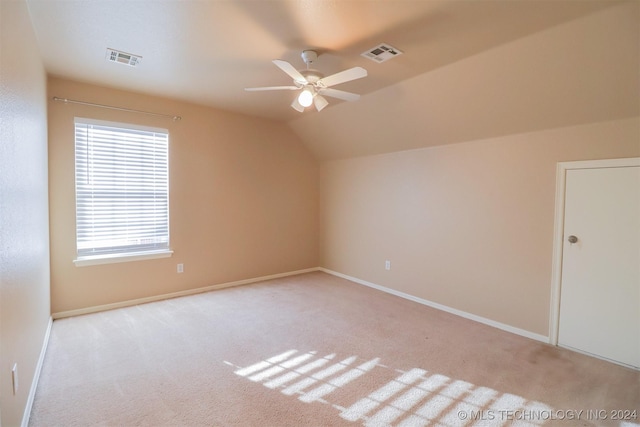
{"x": 72, "y": 101}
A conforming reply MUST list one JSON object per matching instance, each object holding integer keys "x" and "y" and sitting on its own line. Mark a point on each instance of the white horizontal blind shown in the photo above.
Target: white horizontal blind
{"x": 122, "y": 189}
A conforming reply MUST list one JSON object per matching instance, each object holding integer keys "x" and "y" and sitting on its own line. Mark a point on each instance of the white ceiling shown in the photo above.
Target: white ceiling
{"x": 206, "y": 52}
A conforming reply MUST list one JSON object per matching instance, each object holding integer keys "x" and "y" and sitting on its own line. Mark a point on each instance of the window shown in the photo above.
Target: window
{"x": 122, "y": 192}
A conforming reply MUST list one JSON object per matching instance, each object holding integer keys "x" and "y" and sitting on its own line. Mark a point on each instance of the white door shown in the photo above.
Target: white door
{"x": 600, "y": 282}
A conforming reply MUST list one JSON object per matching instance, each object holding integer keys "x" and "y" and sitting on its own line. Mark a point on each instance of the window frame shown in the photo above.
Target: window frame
{"x": 120, "y": 255}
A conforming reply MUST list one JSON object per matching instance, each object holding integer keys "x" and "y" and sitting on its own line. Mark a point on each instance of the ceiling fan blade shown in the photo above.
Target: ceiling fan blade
{"x": 340, "y": 94}
{"x": 255, "y": 89}
{"x": 296, "y": 105}
{"x": 343, "y": 76}
{"x": 320, "y": 102}
{"x": 290, "y": 70}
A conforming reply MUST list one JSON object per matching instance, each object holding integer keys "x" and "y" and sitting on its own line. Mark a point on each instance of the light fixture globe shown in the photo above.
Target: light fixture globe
{"x": 306, "y": 97}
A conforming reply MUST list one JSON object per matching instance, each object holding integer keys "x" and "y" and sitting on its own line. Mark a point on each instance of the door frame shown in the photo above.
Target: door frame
{"x": 558, "y": 230}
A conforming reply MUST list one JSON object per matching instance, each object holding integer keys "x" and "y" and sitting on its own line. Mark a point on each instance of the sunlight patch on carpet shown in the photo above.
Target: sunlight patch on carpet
{"x": 415, "y": 398}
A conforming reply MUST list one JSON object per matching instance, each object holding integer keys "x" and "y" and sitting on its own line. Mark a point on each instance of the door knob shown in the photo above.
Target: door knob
{"x": 572, "y": 239}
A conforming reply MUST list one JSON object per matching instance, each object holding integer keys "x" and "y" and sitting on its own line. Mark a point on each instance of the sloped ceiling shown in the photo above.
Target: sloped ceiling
{"x": 580, "y": 72}
{"x": 207, "y": 52}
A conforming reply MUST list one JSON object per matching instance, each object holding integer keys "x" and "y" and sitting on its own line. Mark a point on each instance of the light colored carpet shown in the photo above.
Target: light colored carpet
{"x": 315, "y": 350}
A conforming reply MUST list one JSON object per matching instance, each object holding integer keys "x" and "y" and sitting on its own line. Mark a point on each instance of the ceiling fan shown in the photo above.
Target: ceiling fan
{"x": 313, "y": 85}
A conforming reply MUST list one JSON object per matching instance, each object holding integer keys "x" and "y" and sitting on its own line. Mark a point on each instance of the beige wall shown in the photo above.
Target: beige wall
{"x": 243, "y": 200}
{"x": 468, "y": 225}
{"x": 24, "y": 233}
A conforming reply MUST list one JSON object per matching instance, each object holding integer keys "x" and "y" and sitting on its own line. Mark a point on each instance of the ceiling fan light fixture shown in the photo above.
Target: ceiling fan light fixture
{"x": 320, "y": 102}
{"x": 313, "y": 85}
{"x": 296, "y": 105}
{"x": 306, "y": 97}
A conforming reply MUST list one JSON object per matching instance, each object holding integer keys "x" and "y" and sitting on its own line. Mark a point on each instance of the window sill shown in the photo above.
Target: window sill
{"x": 115, "y": 258}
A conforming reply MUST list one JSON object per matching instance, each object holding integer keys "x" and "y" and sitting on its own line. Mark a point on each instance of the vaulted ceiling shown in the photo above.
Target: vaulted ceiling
{"x": 207, "y": 52}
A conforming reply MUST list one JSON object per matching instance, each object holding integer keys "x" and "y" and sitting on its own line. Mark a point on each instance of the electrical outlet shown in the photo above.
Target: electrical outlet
{"x": 14, "y": 378}
{"x": 180, "y": 268}
{"x": 387, "y": 265}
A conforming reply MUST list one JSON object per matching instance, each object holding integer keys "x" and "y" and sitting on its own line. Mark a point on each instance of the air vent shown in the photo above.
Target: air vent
{"x": 123, "y": 57}
{"x": 382, "y": 53}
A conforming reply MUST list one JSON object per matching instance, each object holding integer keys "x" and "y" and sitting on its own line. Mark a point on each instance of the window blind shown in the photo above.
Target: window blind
{"x": 122, "y": 189}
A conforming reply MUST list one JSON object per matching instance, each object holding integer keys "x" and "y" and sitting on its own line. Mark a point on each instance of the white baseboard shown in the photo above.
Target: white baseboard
{"x": 128, "y": 303}
{"x": 36, "y": 376}
{"x": 484, "y": 320}
{"x": 493, "y": 323}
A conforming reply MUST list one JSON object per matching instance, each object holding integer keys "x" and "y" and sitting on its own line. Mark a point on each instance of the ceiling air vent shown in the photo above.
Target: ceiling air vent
{"x": 382, "y": 53}
{"x": 123, "y": 57}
